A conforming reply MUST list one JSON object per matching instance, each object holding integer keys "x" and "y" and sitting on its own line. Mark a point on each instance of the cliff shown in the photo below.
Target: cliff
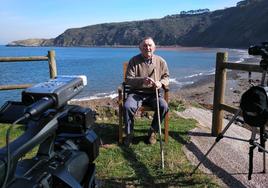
{"x": 237, "y": 27}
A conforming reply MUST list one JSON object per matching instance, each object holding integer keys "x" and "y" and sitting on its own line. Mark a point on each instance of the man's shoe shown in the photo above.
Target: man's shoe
{"x": 128, "y": 140}
{"x": 152, "y": 137}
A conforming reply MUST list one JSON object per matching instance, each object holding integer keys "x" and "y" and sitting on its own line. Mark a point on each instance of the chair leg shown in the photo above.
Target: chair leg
{"x": 166, "y": 128}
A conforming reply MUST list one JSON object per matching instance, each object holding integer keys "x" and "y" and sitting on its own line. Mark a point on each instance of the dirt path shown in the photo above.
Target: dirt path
{"x": 228, "y": 160}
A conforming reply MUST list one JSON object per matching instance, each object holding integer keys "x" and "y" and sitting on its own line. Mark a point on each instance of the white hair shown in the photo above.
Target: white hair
{"x": 144, "y": 39}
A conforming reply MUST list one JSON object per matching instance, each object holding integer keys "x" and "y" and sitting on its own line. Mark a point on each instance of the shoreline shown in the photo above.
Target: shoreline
{"x": 171, "y": 47}
{"x": 200, "y": 92}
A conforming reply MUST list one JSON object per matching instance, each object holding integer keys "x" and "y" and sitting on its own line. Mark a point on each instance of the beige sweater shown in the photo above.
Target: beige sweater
{"x": 137, "y": 70}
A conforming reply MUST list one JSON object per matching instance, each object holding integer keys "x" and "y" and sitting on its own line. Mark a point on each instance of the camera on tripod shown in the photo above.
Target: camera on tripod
{"x": 261, "y": 50}
{"x": 254, "y": 106}
{"x": 254, "y": 109}
{"x": 67, "y": 143}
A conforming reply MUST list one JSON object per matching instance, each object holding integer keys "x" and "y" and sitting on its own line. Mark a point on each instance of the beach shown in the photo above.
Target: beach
{"x": 99, "y": 65}
{"x": 200, "y": 89}
{"x": 201, "y": 92}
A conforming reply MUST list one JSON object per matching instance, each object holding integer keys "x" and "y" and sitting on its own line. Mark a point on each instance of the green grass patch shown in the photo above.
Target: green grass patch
{"x": 177, "y": 105}
{"x": 16, "y": 131}
{"x": 140, "y": 164}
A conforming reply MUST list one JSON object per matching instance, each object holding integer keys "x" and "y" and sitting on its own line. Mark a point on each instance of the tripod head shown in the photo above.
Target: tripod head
{"x": 260, "y": 50}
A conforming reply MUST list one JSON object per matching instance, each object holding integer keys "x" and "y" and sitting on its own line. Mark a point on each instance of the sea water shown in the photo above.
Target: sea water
{"x": 103, "y": 67}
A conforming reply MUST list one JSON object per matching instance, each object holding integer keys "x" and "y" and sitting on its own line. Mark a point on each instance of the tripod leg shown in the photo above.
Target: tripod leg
{"x": 263, "y": 77}
{"x": 264, "y": 162}
{"x": 250, "y": 169}
{"x": 251, "y": 149}
{"x": 262, "y": 142}
{"x": 218, "y": 138}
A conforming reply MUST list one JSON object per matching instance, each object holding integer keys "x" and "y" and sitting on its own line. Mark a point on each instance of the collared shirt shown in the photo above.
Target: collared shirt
{"x": 148, "y": 61}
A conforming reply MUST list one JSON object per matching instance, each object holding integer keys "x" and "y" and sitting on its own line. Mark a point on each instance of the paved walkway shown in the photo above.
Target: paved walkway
{"x": 228, "y": 160}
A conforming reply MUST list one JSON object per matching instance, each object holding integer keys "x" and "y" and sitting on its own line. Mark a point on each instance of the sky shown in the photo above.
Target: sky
{"x": 24, "y": 19}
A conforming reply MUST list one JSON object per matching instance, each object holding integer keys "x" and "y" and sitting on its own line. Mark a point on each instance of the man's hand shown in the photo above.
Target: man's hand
{"x": 158, "y": 84}
{"x": 151, "y": 83}
{"x": 148, "y": 82}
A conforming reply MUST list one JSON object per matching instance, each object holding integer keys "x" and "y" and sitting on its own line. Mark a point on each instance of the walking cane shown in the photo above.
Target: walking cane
{"x": 159, "y": 124}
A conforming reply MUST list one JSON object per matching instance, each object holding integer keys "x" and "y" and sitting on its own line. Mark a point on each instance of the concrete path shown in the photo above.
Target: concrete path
{"x": 228, "y": 160}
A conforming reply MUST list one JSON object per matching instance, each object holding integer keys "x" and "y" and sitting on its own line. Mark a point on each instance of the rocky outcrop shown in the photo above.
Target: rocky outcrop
{"x": 32, "y": 42}
{"x": 237, "y": 27}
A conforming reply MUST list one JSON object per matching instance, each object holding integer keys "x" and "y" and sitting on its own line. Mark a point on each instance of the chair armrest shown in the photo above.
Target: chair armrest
{"x": 122, "y": 92}
{"x": 120, "y": 95}
{"x": 120, "y": 89}
{"x": 165, "y": 88}
{"x": 166, "y": 92}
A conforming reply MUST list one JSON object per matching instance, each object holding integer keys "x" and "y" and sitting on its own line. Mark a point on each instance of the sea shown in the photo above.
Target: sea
{"x": 103, "y": 67}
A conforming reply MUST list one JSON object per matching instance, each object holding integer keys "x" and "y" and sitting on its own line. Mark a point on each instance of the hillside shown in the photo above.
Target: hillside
{"x": 236, "y": 27}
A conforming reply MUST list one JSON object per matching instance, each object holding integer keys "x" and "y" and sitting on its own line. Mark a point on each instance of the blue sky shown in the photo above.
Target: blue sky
{"x": 23, "y": 19}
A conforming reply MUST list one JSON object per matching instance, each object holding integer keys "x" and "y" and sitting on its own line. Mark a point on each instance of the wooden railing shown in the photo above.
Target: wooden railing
{"x": 219, "y": 105}
{"x": 51, "y": 62}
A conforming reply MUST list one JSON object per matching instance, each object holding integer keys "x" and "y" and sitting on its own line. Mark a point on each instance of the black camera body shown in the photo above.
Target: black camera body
{"x": 68, "y": 146}
{"x": 261, "y": 50}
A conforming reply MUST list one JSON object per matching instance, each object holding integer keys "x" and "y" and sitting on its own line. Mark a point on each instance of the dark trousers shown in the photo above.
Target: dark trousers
{"x": 132, "y": 104}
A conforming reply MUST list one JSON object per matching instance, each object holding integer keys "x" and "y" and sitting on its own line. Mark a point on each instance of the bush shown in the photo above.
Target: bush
{"x": 177, "y": 105}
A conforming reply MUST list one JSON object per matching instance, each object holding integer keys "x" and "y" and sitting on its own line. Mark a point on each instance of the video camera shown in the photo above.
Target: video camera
{"x": 261, "y": 50}
{"x": 67, "y": 144}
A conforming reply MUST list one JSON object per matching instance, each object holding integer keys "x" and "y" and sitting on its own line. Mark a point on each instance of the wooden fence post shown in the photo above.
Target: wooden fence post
{"x": 219, "y": 92}
{"x": 52, "y": 64}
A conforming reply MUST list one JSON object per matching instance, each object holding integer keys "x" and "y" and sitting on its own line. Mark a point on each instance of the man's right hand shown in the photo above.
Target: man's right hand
{"x": 148, "y": 82}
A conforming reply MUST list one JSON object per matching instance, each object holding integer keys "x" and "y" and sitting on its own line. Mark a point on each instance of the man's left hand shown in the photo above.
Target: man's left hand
{"x": 158, "y": 84}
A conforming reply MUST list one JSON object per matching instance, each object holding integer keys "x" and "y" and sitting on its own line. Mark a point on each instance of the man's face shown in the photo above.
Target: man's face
{"x": 147, "y": 48}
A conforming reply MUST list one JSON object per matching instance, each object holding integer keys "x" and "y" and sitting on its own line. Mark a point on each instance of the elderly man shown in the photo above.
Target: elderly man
{"x": 145, "y": 72}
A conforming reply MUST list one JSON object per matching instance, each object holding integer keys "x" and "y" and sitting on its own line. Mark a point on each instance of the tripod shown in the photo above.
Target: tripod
{"x": 251, "y": 141}
{"x": 261, "y": 148}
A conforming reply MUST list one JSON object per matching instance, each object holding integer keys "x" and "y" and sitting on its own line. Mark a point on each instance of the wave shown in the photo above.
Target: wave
{"x": 210, "y": 72}
{"x": 194, "y": 75}
{"x": 173, "y": 80}
{"x": 186, "y": 83}
{"x": 111, "y": 95}
{"x": 180, "y": 83}
{"x": 114, "y": 94}
{"x": 239, "y": 56}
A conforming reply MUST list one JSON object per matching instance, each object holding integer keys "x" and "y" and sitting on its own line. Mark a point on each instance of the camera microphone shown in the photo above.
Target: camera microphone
{"x": 60, "y": 90}
{"x": 39, "y": 106}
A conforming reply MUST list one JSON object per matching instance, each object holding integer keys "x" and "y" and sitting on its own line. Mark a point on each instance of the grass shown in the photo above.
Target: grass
{"x": 140, "y": 164}
{"x": 177, "y": 105}
{"x": 16, "y": 131}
